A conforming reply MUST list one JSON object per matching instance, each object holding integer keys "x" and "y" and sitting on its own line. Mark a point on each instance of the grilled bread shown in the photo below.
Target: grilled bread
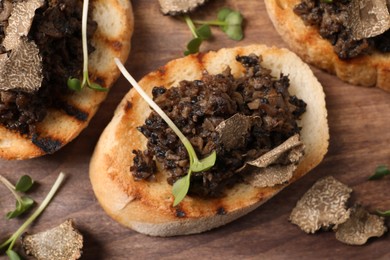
{"x": 112, "y": 39}
{"x": 146, "y": 206}
{"x": 365, "y": 70}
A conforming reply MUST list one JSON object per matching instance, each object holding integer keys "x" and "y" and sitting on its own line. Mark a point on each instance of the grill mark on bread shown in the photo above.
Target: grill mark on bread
{"x": 180, "y": 213}
{"x": 128, "y": 106}
{"x": 221, "y": 211}
{"x": 116, "y": 45}
{"x": 47, "y": 144}
{"x": 75, "y": 112}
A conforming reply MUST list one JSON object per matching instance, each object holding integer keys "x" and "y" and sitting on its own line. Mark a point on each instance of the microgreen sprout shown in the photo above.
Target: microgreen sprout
{"x": 384, "y": 213}
{"x": 10, "y": 242}
{"x": 75, "y": 83}
{"x": 380, "y": 172}
{"x": 180, "y": 187}
{"x": 228, "y": 20}
{"x": 23, "y": 203}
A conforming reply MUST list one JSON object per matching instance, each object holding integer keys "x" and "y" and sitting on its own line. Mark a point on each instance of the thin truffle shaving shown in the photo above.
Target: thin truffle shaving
{"x": 322, "y": 206}
{"x": 255, "y": 111}
{"x": 351, "y": 34}
{"x": 360, "y": 227}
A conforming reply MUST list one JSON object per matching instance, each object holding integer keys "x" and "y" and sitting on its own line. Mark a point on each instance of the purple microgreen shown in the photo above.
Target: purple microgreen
{"x": 180, "y": 190}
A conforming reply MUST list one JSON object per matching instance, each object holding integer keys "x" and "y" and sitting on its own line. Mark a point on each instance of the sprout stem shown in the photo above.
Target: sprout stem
{"x": 181, "y": 186}
{"x": 10, "y": 187}
{"x": 39, "y": 210}
{"x": 191, "y": 25}
{"x": 84, "y": 42}
{"x": 214, "y": 22}
{"x": 151, "y": 103}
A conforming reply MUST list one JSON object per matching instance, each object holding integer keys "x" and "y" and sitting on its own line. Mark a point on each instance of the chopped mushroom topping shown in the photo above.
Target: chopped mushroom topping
{"x": 20, "y": 21}
{"x": 214, "y": 114}
{"x": 23, "y": 69}
{"x": 63, "y": 242}
{"x": 360, "y": 227}
{"x": 322, "y": 206}
{"x": 175, "y": 7}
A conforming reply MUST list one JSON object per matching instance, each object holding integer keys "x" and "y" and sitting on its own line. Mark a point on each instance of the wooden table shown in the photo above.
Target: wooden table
{"x": 359, "y": 120}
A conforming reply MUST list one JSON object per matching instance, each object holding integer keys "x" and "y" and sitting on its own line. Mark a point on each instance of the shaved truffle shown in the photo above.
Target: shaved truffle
{"x": 322, "y": 206}
{"x": 23, "y": 69}
{"x": 368, "y": 18}
{"x": 20, "y": 21}
{"x": 175, "y": 7}
{"x": 360, "y": 226}
{"x": 63, "y": 242}
{"x": 6, "y": 12}
{"x": 276, "y": 166}
{"x": 234, "y": 131}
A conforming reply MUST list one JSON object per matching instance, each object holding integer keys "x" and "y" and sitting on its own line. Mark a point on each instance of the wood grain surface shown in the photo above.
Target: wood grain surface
{"x": 359, "y": 121}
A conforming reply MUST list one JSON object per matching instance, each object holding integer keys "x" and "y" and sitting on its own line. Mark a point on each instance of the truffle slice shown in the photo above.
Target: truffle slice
{"x": 23, "y": 69}
{"x": 6, "y": 12}
{"x": 63, "y": 242}
{"x": 20, "y": 21}
{"x": 322, "y": 206}
{"x": 233, "y": 131}
{"x": 276, "y": 166}
{"x": 360, "y": 226}
{"x": 175, "y": 7}
{"x": 368, "y": 18}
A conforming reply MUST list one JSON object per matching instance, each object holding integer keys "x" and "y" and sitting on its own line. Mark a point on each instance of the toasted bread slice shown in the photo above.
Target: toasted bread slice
{"x": 366, "y": 70}
{"x": 112, "y": 39}
{"x": 147, "y": 206}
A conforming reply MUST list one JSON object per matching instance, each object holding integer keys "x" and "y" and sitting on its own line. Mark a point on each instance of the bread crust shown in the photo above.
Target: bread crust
{"x": 112, "y": 39}
{"x": 366, "y": 70}
{"x": 147, "y": 206}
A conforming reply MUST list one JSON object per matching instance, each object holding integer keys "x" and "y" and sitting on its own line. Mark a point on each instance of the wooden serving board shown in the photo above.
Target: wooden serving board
{"x": 359, "y": 121}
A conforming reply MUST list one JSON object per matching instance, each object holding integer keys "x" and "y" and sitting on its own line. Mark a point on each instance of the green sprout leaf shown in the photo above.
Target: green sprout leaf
{"x": 204, "y": 32}
{"x": 24, "y": 184}
{"x": 231, "y": 23}
{"x": 196, "y": 165}
{"x": 73, "y": 83}
{"x": 180, "y": 188}
{"x": 228, "y": 20}
{"x": 193, "y": 46}
{"x": 12, "y": 255}
{"x": 384, "y": 213}
{"x": 223, "y": 13}
{"x": 380, "y": 172}
{"x": 22, "y": 203}
{"x": 10, "y": 242}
